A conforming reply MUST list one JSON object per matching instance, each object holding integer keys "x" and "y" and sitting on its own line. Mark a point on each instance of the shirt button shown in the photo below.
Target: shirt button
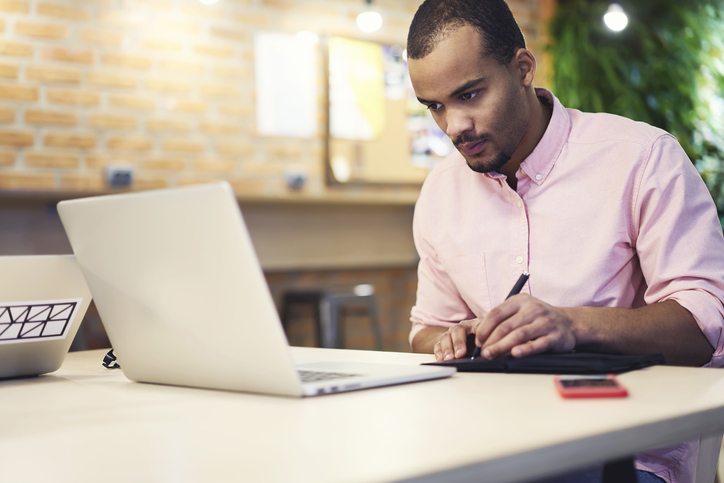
{"x": 520, "y": 204}
{"x": 519, "y": 259}
{"x": 538, "y": 177}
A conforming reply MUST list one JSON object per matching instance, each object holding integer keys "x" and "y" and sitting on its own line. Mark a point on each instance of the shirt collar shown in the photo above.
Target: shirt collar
{"x": 540, "y": 162}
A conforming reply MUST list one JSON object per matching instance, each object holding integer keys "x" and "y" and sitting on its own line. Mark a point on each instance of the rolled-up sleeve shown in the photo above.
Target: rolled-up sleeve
{"x": 679, "y": 240}
{"x": 438, "y": 300}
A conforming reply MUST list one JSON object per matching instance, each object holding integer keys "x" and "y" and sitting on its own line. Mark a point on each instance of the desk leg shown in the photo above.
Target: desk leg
{"x": 620, "y": 471}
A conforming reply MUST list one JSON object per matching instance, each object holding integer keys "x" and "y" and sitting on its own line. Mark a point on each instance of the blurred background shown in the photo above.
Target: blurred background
{"x": 305, "y": 108}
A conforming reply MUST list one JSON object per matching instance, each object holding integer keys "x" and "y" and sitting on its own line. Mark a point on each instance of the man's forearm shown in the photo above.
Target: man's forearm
{"x": 426, "y": 339}
{"x": 664, "y": 327}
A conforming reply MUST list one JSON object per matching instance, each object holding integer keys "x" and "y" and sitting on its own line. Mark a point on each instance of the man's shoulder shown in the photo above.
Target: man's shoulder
{"x": 601, "y": 127}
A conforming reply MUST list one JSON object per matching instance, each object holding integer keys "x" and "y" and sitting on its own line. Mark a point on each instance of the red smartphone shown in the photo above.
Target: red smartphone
{"x": 589, "y": 386}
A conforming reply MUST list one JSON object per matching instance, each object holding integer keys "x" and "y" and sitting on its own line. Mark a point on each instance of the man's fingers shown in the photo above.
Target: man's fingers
{"x": 453, "y": 344}
{"x": 498, "y": 315}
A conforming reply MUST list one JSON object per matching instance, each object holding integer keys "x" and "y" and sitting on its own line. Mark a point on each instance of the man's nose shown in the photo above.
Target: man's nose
{"x": 457, "y": 122}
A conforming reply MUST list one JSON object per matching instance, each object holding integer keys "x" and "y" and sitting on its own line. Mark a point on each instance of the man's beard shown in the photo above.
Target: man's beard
{"x": 498, "y": 162}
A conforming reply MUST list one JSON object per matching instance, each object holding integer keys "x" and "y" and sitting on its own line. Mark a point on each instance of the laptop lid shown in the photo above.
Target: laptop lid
{"x": 181, "y": 293}
{"x": 43, "y": 299}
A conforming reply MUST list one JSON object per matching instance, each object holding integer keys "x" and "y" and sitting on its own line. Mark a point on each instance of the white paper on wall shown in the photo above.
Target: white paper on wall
{"x": 286, "y": 93}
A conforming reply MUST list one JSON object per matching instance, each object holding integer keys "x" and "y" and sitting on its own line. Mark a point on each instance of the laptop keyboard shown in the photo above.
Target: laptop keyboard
{"x": 313, "y": 376}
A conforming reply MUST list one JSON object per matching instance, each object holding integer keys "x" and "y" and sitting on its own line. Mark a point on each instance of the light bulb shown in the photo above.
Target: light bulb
{"x": 369, "y": 21}
{"x": 615, "y": 18}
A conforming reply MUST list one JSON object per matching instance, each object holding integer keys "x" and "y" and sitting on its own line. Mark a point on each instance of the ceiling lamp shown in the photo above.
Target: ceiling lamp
{"x": 369, "y": 20}
{"x": 615, "y": 18}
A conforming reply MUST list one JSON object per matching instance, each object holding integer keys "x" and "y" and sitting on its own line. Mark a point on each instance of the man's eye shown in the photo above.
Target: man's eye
{"x": 468, "y": 95}
{"x": 434, "y": 106}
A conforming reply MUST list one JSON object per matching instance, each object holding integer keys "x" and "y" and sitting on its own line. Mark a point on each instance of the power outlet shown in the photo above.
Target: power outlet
{"x": 119, "y": 176}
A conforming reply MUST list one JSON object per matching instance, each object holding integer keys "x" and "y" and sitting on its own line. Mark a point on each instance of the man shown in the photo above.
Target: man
{"x": 609, "y": 216}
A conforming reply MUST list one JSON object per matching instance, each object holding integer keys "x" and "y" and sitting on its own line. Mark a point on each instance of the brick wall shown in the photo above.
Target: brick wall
{"x": 163, "y": 85}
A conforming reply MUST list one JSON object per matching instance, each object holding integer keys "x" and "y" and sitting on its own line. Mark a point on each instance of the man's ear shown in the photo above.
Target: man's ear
{"x": 523, "y": 65}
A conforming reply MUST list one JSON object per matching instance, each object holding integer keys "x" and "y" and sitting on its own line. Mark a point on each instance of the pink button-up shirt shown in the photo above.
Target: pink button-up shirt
{"x": 608, "y": 213}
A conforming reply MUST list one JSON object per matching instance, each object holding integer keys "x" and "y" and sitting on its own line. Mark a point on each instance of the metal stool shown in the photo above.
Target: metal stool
{"x": 329, "y": 310}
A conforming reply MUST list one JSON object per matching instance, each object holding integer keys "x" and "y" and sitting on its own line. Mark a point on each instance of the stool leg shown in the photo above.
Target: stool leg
{"x": 327, "y": 329}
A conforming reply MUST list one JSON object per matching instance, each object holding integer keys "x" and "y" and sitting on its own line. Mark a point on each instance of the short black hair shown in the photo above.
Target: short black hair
{"x": 436, "y": 18}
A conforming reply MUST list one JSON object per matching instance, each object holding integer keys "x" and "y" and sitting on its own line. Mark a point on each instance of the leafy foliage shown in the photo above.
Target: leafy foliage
{"x": 666, "y": 68}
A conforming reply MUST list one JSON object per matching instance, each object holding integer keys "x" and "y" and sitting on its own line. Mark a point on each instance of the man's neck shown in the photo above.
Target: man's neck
{"x": 541, "y": 112}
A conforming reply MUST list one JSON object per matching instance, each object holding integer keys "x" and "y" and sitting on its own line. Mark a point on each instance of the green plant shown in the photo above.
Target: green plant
{"x": 666, "y": 68}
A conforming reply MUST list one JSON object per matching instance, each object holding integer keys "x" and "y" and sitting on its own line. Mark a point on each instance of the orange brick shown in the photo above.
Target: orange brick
{"x": 62, "y": 11}
{"x": 194, "y": 180}
{"x": 233, "y": 72}
{"x": 220, "y": 90}
{"x": 43, "y": 117}
{"x": 237, "y": 110}
{"x": 74, "y": 97}
{"x": 162, "y": 44}
{"x": 221, "y": 166}
{"x": 18, "y": 93}
{"x": 164, "y": 85}
{"x": 283, "y": 151}
{"x": 149, "y": 183}
{"x": 70, "y": 140}
{"x": 176, "y": 27}
{"x": 68, "y": 55}
{"x": 40, "y": 29}
{"x": 163, "y": 6}
{"x": 202, "y": 11}
{"x": 262, "y": 169}
{"x": 85, "y": 183}
{"x": 103, "y": 160}
{"x": 51, "y": 160}
{"x": 230, "y": 34}
{"x": 8, "y": 71}
{"x": 14, "y": 6}
{"x": 7, "y": 158}
{"x": 133, "y": 102}
{"x": 187, "y": 106}
{"x": 182, "y": 66}
{"x": 112, "y": 79}
{"x": 213, "y": 51}
{"x": 129, "y": 61}
{"x": 182, "y": 145}
{"x": 117, "y": 17}
{"x": 246, "y": 187}
{"x": 52, "y": 74}
{"x": 218, "y": 128}
{"x": 101, "y": 37}
{"x": 109, "y": 121}
{"x": 14, "y": 137}
{"x": 235, "y": 149}
{"x": 7, "y": 114}
{"x": 27, "y": 182}
{"x": 155, "y": 125}
{"x": 165, "y": 164}
{"x": 254, "y": 19}
{"x": 131, "y": 143}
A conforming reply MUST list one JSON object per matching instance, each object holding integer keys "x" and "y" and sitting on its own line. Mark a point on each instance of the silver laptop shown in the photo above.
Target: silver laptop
{"x": 182, "y": 296}
{"x": 43, "y": 299}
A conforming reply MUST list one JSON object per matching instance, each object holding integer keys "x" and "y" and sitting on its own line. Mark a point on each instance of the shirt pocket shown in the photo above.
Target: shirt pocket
{"x": 468, "y": 274}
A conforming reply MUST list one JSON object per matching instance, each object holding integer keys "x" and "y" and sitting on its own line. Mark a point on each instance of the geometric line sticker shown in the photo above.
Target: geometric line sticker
{"x": 37, "y": 320}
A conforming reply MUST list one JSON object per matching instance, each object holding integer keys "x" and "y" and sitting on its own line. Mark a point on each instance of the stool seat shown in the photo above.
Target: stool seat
{"x": 329, "y": 308}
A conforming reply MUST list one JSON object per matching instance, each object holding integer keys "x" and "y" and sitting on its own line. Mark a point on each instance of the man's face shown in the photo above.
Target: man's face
{"x": 474, "y": 99}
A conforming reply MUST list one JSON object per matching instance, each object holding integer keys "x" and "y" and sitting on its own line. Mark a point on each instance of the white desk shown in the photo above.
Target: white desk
{"x": 86, "y": 423}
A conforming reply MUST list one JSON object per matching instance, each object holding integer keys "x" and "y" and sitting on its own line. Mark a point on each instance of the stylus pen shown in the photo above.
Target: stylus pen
{"x": 515, "y": 290}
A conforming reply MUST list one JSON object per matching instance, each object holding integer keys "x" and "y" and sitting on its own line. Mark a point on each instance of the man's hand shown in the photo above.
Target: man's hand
{"x": 521, "y": 326}
{"x": 453, "y": 343}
